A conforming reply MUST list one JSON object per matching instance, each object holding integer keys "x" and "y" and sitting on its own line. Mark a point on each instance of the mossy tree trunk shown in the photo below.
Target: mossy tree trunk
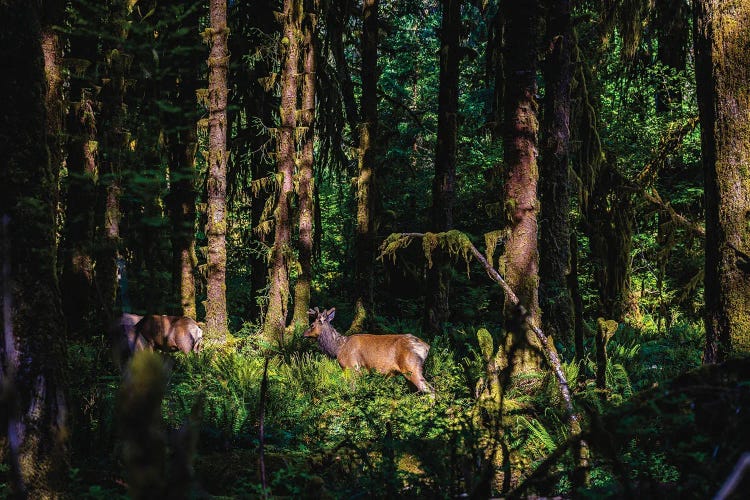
{"x": 609, "y": 225}
{"x": 443, "y": 184}
{"x": 114, "y": 137}
{"x": 367, "y": 161}
{"x": 275, "y": 322}
{"x": 722, "y": 72}
{"x": 33, "y": 351}
{"x": 520, "y": 261}
{"x": 216, "y": 184}
{"x": 305, "y": 176}
{"x": 554, "y": 193}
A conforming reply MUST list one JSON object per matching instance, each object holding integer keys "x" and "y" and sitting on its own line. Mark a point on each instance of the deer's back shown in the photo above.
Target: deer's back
{"x": 386, "y": 354}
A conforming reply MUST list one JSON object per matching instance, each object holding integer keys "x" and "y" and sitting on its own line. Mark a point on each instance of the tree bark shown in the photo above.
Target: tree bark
{"x": 216, "y": 227}
{"x": 367, "y": 159}
{"x": 275, "y": 323}
{"x": 33, "y": 347}
{"x": 521, "y": 258}
{"x": 305, "y": 193}
{"x": 443, "y": 185}
{"x": 554, "y": 192}
{"x": 722, "y": 72}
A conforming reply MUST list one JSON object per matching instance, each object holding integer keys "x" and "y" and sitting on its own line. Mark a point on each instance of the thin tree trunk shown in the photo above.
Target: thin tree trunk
{"x": 722, "y": 72}
{"x": 216, "y": 211}
{"x": 33, "y": 349}
{"x": 367, "y": 161}
{"x": 554, "y": 192}
{"x": 443, "y": 185}
{"x": 521, "y": 258}
{"x": 307, "y": 122}
{"x": 183, "y": 141}
{"x": 182, "y": 211}
{"x": 113, "y": 145}
{"x": 278, "y": 300}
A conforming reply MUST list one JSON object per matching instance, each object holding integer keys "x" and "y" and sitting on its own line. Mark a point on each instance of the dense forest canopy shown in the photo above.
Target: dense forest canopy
{"x": 535, "y": 211}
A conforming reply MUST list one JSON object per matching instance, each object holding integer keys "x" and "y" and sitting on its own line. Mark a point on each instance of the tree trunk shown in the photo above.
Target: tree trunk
{"x": 33, "y": 343}
{"x": 367, "y": 160}
{"x": 278, "y": 300}
{"x": 77, "y": 243}
{"x": 182, "y": 141}
{"x": 722, "y": 72}
{"x": 443, "y": 184}
{"x": 182, "y": 211}
{"x": 307, "y": 123}
{"x": 521, "y": 258}
{"x": 554, "y": 193}
{"x": 113, "y": 146}
{"x": 216, "y": 211}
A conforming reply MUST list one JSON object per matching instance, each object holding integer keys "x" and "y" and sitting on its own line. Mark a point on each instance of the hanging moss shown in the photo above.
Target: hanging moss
{"x": 491, "y": 240}
{"x": 429, "y": 244}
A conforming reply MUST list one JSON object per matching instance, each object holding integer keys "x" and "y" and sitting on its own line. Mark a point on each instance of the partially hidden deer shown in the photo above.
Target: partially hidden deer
{"x": 133, "y": 333}
{"x": 386, "y": 354}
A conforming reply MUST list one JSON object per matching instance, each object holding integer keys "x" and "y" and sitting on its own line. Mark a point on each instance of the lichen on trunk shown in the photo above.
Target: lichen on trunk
{"x": 274, "y": 325}
{"x": 520, "y": 261}
{"x": 722, "y": 71}
{"x": 216, "y": 184}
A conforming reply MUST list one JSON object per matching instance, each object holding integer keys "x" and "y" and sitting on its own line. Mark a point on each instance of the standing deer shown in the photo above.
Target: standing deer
{"x": 132, "y": 333}
{"x": 386, "y": 354}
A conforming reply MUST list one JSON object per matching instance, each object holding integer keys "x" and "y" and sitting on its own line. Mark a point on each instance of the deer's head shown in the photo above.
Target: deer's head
{"x": 317, "y": 320}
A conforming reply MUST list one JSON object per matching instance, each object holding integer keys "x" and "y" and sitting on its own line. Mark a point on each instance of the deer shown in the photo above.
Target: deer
{"x": 171, "y": 333}
{"x": 387, "y": 354}
{"x": 132, "y": 333}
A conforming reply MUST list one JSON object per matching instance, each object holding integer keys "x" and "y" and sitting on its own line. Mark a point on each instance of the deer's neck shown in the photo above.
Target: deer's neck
{"x": 331, "y": 341}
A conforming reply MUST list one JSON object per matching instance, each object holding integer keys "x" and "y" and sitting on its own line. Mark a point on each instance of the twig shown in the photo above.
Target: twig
{"x": 735, "y": 477}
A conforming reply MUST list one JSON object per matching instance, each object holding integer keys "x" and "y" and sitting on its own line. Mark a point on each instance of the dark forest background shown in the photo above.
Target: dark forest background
{"x": 551, "y": 193}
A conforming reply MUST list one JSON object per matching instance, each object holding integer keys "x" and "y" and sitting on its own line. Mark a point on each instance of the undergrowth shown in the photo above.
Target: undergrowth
{"x": 334, "y": 433}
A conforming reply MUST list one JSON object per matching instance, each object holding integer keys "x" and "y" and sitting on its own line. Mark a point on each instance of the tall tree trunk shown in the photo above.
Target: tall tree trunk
{"x": 182, "y": 212}
{"x": 113, "y": 146}
{"x": 278, "y": 300}
{"x": 367, "y": 161}
{"x": 521, "y": 258}
{"x": 722, "y": 71}
{"x": 33, "y": 343}
{"x": 307, "y": 122}
{"x": 182, "y": 140}
{"x": 77, "y": 243}
{"x": 554, "y": 193}
{"x": 443, "y": 184}
{"x": 52, "y": 45}
{"x": 216, "y": 226}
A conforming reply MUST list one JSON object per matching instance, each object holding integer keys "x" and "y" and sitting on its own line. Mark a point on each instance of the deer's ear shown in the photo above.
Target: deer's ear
{"x": 330, "y": 314}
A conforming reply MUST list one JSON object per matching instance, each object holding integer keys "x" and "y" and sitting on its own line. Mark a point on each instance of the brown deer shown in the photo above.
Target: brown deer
{"x": 171, "y": 333}
{"x": 132, "y": 333}
{"x": 386, "y": 354}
